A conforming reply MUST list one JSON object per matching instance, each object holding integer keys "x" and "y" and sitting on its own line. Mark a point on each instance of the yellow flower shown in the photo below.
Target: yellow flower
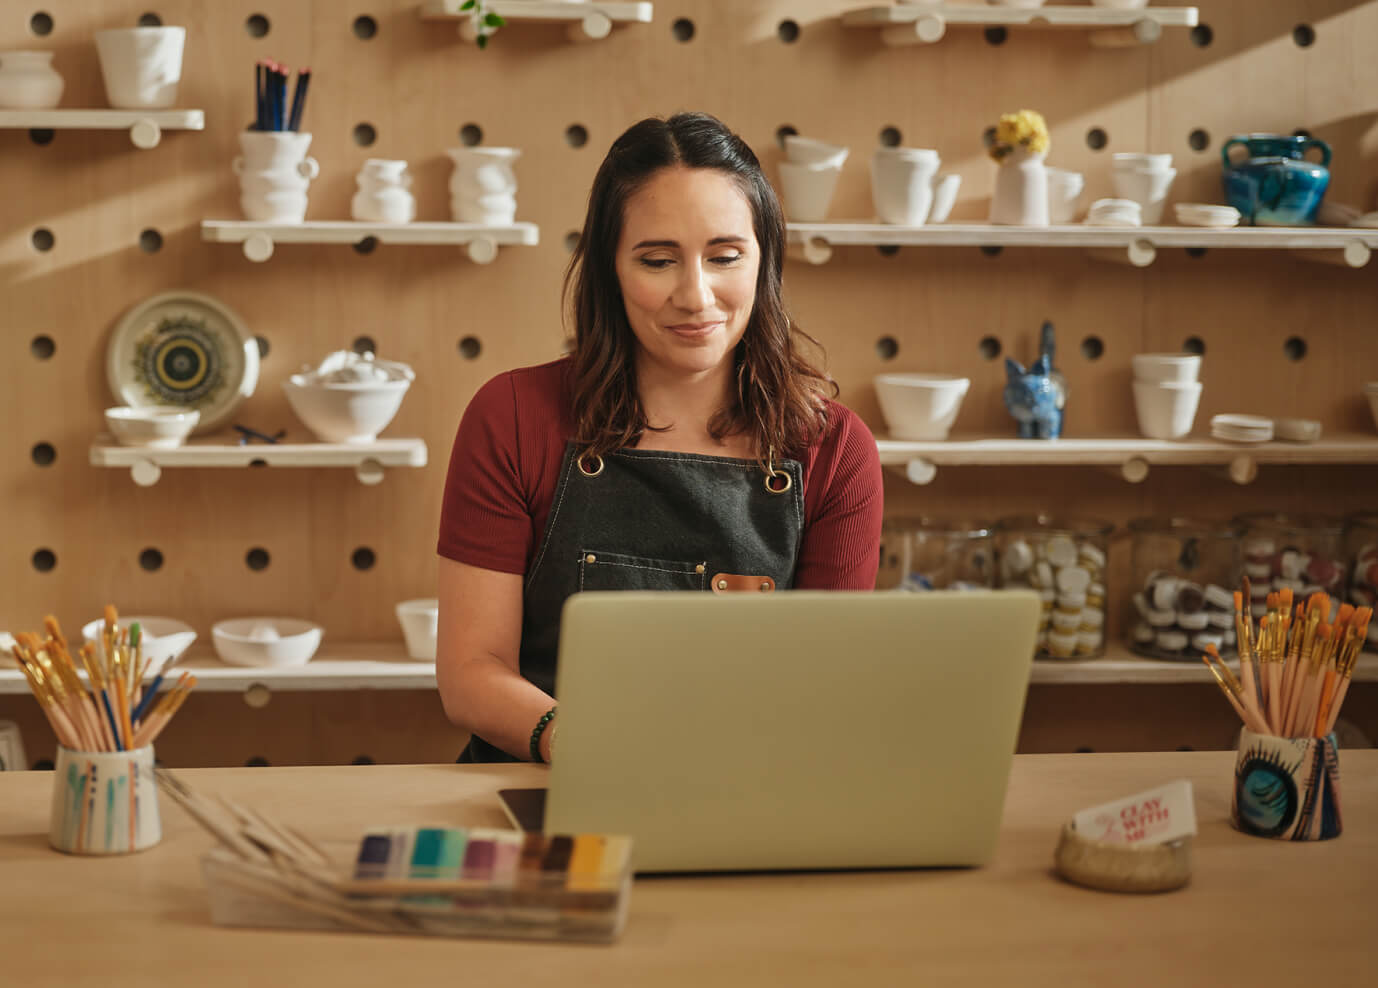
{"x": 1026, "y": 129}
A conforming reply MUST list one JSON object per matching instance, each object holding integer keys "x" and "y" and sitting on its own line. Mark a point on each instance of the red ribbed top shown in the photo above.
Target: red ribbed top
{"x": 505, "y": 465}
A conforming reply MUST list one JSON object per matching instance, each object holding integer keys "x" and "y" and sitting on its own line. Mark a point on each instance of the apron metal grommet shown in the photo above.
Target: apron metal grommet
{"x": 593, "y": 472}
{"x": 765, "y": 587}
{"x": 722, "y": 584}
{"x": 770, "y": 479}
{"x": 590, "y": 558}
{"x": 698, "y": 568}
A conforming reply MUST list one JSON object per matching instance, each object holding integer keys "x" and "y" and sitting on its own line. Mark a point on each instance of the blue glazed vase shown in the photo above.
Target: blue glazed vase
{"x": 1275, "y": 185}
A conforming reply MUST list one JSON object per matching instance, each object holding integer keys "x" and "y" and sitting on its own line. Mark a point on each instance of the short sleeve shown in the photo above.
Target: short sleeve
{"x": 844, "y": 507}
{"x": 485, "y": 518}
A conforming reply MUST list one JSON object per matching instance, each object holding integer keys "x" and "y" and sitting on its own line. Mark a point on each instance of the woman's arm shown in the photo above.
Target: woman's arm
{"x": 844, "y": 507}
{"x": 478, "y": 645}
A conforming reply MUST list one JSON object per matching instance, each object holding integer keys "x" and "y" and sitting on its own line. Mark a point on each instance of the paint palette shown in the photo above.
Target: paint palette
{"x": 443, "y": 881}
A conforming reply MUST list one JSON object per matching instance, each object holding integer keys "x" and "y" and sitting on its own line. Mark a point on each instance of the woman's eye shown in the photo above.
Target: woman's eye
{"x": 727, "y": 259}
{"x": 655, "y": 263}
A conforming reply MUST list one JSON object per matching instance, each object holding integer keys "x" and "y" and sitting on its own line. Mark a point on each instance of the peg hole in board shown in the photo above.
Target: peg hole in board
{"x": 44, "y": 560}
{"x": 365, "y": 134}
{"x": 150, "y": 241}
{"x": 365, "y": 27}
{"x": 788, "y": 31}
{"x": 887, "y": 348}
{"x": 471, "y": 135}
{"x": 42, "y": 347}
{"x": 470, "y": 347}
{"x": 43, "y": 454}
{"x": 683, "y": 29}
{"x": 41, "y": 23}
{"x": 257, "y": 559}
{"x": 990, "y": 348}
{"x": 258, "y": 26}
{"x": 151, "y": 559}
{"x": 890, "y": 136}
{"x": 363, "y": 558}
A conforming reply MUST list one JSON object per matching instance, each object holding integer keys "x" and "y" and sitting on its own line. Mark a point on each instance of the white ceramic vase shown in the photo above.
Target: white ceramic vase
{"x": 384, "y": 194}
{"x": 28, "y": 81}
{"x": 483, "y": 186}
{"x": 141, "y": 66}
{"x": 1021, "y": 191}
{"x": 902, "y": 184}
{"x": 274, "y": 175}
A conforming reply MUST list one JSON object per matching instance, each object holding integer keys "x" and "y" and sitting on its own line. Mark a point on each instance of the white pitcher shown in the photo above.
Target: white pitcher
{"x": 903, "y": 183}
{"x": 384, "y": 194}
{"x": 483, "y": 186}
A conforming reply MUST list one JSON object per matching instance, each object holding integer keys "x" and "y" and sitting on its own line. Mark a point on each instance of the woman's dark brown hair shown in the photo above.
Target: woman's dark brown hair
{"x": 779, "y": 395}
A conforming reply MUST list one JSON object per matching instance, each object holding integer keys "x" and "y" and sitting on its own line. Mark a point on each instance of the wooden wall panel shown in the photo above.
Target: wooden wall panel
{"x": 417, "y": 84}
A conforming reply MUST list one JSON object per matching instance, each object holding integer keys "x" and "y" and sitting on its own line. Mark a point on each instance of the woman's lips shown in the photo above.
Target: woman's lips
{"x": 694, "y": 328}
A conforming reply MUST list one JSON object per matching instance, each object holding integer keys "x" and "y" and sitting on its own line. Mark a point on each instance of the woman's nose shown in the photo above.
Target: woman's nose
{"x": 692, "y": 293}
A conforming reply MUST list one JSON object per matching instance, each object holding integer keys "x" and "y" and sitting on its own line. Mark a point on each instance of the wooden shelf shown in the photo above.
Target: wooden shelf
{"x": 587, "y": 21}
{"x": 924, "y": 23}
{"x": 1132, "y": 457}
{"x": 259, "y": 239}
{"x": 145, "y": 126}
{"x": 385, "y": 666}
{"x": 367, "y": 459}
{"x": 1347, "y": 246}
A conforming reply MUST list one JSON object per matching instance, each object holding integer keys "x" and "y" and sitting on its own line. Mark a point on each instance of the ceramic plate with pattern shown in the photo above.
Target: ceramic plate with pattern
{"x": 183, "y": 350}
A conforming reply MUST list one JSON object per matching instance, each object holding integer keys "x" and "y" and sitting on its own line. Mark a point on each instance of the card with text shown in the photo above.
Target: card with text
{"x": 1153, "y": 817}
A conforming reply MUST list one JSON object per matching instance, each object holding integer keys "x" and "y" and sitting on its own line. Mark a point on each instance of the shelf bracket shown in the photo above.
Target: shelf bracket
{"x": 917, "y": 471}
{"x": 483, "y": 250}
{"x": 145, "y": 134}
{"x": 1241, "y": 470}
{"x": 258, "y": 247}
{"x": 1355, "y": 254}
{"x": 1142, "y": 32}
{"x": 257, "y": 695}
{"x": 145, "y": 472}
{"x": 1133, "y": 470}
{"x": 593, "y": 26}
{"x": 924, "y": 31}
{"x": 1138, "y": 253}
{"x": 369, "y": 472}
{"x": 814, "y": 250}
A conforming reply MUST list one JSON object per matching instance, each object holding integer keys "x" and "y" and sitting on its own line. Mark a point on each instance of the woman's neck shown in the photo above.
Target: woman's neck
{"x": 682, "y": 406}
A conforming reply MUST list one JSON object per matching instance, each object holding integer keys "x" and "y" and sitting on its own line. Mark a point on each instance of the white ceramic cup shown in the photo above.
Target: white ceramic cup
{"x": 141, "y": 66}
{"x": 1166, "y": 410}
{"x": 28, "y": 81}
{"x": 1167, "y": 368}
{"x": 275, "y": 150}
{"x": 1064, "y": 194}
{"x": 104, "y": 802}
{"x": 809, "y": 151}
{"x": 419, "y": 619}
{"x": 902, "y": 182}
{"x": 920, "y": 406}
{"x": 483, "y": 185}
{"x": 808, "y": 190}
{"x": 1146, "y": 186}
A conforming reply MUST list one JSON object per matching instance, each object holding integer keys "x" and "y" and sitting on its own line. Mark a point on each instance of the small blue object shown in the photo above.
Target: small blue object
{"x": 1036, "y": 396}
{"x": 1275, "y": 185}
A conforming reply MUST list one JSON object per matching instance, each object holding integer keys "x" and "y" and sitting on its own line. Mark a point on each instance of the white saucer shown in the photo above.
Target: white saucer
{"x": 1242, "y": 428}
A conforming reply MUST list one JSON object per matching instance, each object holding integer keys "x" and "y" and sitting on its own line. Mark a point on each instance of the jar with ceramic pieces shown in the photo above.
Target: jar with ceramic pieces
{"x": 1183, "y": 573}
{"x": 1361, "y": 553}
{"x": 1064, "y": 560}
{"x": 936, "y": 554}
{"x": 1301, "y": 553}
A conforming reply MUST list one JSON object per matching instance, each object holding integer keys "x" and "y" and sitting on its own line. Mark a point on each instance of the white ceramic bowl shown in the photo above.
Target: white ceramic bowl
{"x": 1167, "y": 368}
{"x": 920, "y": 406}
{"x": 266, "y": 641}
{"x": 1371, "y": 392}
{"x": 808, "y": 190}
{"x": 158, "y": 428}
{"x": 419, "y": 620}
{"x": 163, "y": 639}
{"x": 345, "y": 413}
{"x": 809, "y": 151}
{"x": 141, "y": 66}
{"x": 1166, "y": 410}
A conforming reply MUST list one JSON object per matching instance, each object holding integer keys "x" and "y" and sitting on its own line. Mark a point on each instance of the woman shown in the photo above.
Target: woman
{"x": 686, "y": 441}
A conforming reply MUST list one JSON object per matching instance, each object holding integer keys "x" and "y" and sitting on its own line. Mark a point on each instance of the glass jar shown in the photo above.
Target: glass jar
{"x": 1303, "y": 553}
{"x": 936, "y": 554}
{"x": 1064, "y": 559}
{"x": 1361, "y": 556}
{"x": 1182, "y": 574}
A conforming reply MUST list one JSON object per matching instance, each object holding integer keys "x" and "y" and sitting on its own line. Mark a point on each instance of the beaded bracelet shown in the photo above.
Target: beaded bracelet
{"x": 536, "y": 735}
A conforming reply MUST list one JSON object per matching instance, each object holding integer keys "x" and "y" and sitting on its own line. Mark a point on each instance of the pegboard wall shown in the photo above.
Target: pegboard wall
{"x": 93, "y": 226}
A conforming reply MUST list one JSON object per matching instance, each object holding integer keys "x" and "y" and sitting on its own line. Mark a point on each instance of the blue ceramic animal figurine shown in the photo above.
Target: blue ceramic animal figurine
{"x": 1035, "y": 397}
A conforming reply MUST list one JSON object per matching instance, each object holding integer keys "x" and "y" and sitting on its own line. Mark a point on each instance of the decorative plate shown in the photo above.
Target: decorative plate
{"x": 183, "y": 350}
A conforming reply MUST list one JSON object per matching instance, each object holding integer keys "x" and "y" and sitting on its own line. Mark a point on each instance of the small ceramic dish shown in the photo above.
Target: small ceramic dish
{"x": 419, "y": 620}
{"x": 1205, "y": 214}
{"x": 1242, "y": 428}
{"x": 164, "y": 640}
{"x": 156, "y": 428}
{"x": 1114, "y": 867}
{"x": 1297, "y": 430}
{"x": 266, "y": 641}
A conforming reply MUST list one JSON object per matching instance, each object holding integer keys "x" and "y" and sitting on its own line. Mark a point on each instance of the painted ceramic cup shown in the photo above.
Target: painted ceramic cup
{"x": 1287, "y": 788}
{"x": 104, "y": 802}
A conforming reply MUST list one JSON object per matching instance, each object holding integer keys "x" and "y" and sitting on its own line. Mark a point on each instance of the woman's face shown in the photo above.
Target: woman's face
{"x": 687, "y": 264}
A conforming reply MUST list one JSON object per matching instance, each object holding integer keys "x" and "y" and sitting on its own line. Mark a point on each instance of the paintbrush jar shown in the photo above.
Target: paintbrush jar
{"x": 1302, "y": 553}
{"x": 1182, "y": 576}
{"x": 104, "y": 802}
{"x": 1361, "y": 555}
{"x": 1064, "y": 561}
{"x": 1287, "y": 788}
{"x": 936, "y": 554}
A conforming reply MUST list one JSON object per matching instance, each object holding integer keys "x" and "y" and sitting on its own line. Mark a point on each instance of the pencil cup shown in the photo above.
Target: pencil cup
{"x": 104, "y": 802}
{"x": 274, "y": 174}
{"x": 1287, "y": 788}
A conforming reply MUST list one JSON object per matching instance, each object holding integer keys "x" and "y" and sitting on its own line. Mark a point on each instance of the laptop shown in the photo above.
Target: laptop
{"x": 794, "y": 730}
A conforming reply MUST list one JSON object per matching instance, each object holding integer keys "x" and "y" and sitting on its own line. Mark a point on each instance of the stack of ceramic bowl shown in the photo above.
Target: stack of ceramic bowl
{"x": 808, "y": 177}
{"x": 1114, "y": 212}
{"x": 1166, "y": 393}
{"x": 1205, "y": 214}
{"x": 1242, "y": 428}
{"x": 1145, "y": 179}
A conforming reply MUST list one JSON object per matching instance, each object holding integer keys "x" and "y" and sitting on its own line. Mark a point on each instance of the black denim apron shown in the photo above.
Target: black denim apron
{"x": 652, "y": 520}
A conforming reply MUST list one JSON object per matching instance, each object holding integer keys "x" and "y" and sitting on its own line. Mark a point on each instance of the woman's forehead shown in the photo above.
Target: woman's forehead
{"x": 687, "y": 204}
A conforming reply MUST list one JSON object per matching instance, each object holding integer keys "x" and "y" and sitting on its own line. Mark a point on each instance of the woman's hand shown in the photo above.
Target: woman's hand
{"x": 478, "y": 648}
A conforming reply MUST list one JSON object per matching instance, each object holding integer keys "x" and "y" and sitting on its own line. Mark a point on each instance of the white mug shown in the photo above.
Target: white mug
{"x": 902, "y": 184}
{"x": 141, "y": 66}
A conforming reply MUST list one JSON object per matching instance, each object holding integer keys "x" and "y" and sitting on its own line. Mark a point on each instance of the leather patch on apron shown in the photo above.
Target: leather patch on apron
{"x": 741, "y": 583}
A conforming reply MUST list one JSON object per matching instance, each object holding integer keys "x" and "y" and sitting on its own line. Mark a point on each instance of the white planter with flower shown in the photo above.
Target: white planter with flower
{"x": 1021, "y": 181}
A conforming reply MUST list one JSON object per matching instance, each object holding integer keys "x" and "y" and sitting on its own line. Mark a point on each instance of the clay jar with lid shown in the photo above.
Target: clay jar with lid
{"x": 1182, "y": 576}
{"x": 1064, "y": 560}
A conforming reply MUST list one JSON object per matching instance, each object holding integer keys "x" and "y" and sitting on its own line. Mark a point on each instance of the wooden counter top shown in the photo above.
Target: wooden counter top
{"x": 1258, "y": 912}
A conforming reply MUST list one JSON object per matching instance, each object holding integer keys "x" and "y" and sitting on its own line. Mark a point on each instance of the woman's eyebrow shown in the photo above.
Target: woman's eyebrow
{"x": 732, "y": 239}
